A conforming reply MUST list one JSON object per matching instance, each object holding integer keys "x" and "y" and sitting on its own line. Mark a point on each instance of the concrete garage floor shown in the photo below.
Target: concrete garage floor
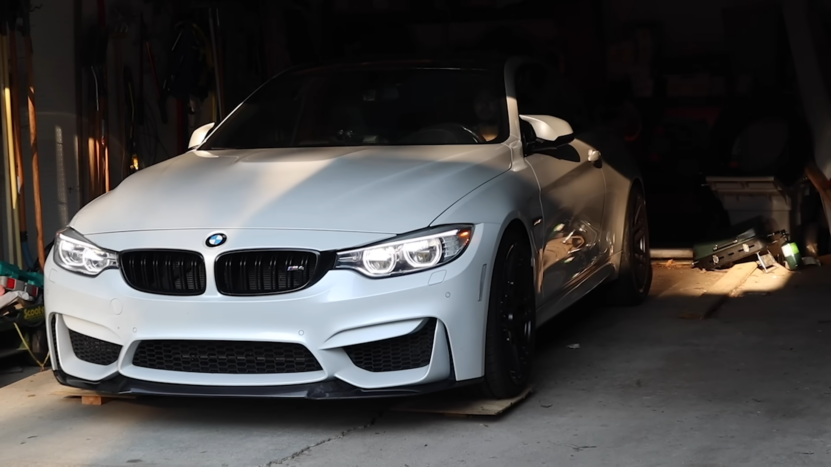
{"x": 13, "y": 369}
{"x": 750, "y": 386}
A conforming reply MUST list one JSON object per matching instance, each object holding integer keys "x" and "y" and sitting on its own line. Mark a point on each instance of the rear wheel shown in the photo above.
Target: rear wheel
{"x": 511, "y": 325}
{"x": 635, "y": 277}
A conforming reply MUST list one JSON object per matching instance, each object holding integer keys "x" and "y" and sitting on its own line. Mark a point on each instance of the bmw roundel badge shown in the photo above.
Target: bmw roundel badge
{"x": 216, "y": 240}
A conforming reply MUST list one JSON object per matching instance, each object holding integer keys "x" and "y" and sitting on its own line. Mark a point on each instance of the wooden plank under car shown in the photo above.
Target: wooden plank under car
{"x": 443, "y": 403}
{"x": 90, "y": 397}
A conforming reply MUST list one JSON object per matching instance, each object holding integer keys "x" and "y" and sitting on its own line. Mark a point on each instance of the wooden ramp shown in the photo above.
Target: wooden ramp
{"x": 458, "y": 405}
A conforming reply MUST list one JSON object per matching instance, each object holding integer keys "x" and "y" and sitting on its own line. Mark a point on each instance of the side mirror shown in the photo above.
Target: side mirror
{"x": 547, "y": 133}
{"x": 199, "y": 135}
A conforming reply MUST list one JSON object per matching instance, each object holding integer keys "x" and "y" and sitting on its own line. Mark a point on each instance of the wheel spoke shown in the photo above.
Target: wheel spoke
{"x": 638, "y": 235}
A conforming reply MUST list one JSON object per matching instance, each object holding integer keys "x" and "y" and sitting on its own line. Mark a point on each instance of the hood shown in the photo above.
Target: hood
{"x": 380, "y": 189}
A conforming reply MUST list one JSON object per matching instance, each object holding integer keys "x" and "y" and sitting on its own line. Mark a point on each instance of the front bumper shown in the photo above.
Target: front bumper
{"x": 342, "y": 310}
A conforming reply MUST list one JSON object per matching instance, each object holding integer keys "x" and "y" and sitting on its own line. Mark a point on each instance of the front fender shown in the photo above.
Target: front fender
{"x": 512, "y": 197}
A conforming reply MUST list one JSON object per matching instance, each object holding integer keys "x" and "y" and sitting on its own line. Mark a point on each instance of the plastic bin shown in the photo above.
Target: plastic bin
{"x": 745, "y": 198}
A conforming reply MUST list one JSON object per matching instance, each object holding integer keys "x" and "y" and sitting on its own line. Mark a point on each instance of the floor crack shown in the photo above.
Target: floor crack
{"x": 319, "y": 443}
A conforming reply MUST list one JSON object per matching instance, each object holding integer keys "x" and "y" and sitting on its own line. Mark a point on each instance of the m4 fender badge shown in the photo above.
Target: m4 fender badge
{"x": 216, "y": 240}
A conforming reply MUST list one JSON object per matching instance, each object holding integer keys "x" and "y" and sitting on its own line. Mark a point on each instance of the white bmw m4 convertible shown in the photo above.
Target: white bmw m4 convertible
{"x": 353, "y": 229}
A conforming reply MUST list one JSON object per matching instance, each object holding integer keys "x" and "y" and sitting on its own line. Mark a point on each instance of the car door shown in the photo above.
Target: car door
{"x": 572, "y": 188}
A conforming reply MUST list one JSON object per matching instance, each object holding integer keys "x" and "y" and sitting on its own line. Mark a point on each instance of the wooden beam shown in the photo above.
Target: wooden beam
{"x": 460, "y": 406}
{"x": 820, "y": 182}
{"x": 90, "y": 397}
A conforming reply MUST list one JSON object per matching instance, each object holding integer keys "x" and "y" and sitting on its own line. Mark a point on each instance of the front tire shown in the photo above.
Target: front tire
{"x": 635, "y": 277}
{"x": 511, "y": 322}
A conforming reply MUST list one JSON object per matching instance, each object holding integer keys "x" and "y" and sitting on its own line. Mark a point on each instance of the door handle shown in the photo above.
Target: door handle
{"x": 594, "y": 155}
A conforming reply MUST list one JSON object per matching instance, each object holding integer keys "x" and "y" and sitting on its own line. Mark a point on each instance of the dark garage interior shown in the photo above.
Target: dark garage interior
{"x": 723, "y": 105}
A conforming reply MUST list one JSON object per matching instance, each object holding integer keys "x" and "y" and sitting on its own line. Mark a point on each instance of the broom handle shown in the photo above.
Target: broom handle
{"x": 10, "y": 232}
{"x": 12, "y": 172}
{"x": 18, "y": 152}
{"x": 33, "y": 140}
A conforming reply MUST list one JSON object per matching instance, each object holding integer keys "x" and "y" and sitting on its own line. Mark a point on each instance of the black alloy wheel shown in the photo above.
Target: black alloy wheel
{"x": 635, "y": 276}
{"x": 511, "y": 327}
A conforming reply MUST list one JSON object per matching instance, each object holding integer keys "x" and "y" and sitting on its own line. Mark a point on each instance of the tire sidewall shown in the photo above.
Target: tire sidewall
{"x": 636, "y": 199}
{"x": 498, "y": 382}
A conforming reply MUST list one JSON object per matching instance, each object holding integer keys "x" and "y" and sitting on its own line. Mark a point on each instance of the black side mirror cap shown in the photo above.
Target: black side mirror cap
{"x": 540, "y": 145}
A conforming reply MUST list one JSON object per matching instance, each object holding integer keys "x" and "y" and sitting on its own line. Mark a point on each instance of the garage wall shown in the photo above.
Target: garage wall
{"x": 812, "y": 56}
{"x": 63, "y": 112}
{"x": 689, "y": 28}
{"x": 54, "y": 39}
{"x": 128, "y": 14}
{"x": 54, "y": 64}
{"x": 811, "y": 47}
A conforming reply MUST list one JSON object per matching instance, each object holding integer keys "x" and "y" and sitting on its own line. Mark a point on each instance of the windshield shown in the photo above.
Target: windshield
{"x": 359, "y": 107}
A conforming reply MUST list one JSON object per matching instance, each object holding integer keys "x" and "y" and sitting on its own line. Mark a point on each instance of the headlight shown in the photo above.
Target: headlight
{"x": 410, "y": 253}
{"x": 75, "y": 253}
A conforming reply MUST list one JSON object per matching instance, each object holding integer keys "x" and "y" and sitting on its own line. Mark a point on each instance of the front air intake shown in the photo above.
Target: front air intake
{"x": 92, "y": 350}
{"x": 408, "y": 352}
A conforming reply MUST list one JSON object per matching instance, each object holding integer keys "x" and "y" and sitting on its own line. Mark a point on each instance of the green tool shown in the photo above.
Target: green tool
{"x": 792, "y": 256}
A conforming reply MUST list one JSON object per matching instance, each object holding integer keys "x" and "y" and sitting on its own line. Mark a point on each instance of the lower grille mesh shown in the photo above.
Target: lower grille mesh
{"x": 396, "y": 354}
{"x": 92, "y": 350}
{"x": 225, "y": 357}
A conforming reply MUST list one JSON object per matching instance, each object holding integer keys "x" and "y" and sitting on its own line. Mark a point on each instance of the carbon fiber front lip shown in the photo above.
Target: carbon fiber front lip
{"x": 329, "y": 390}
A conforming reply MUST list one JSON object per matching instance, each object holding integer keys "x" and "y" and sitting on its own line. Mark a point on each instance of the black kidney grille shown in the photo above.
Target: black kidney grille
{"x": 396, "y": 354}
{"x": 164, "y": 272}
{"x": 265, "y": 272}
{"x": 225, "y": 357}
{"x": 92, "y": 350}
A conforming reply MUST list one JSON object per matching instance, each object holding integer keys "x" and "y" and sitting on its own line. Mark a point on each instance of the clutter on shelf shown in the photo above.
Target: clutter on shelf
{"x": 754, "y": 239}
{"x": 21, "y": 309}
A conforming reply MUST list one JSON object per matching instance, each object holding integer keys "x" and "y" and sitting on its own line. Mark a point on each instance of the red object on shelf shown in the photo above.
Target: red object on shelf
{"x": 480, "y": 3}
{"x": 708, "y": 113}
{"x": 369, "y": 6}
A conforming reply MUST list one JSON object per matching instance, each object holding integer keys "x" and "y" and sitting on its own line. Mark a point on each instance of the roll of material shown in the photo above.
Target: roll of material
{"x": 671, "y": 253}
